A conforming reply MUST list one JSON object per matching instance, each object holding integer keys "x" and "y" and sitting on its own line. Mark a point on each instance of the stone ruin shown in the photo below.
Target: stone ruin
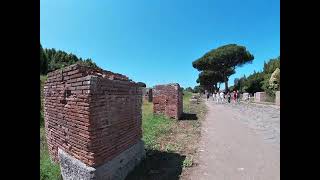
{"x": 260, "y": 97}
{"x": 167, "y": 100}
{"x": 245, "y": 97}
{"x": 147, "y": 94}
{"x": 278, "y": 98}
{"x": 93, "y": 122}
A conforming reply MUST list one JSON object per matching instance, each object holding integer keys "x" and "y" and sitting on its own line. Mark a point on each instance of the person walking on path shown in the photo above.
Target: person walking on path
{"x": 222, "y": 96}
{"x": 237, "y": 96}
{"x": 208, "y": 95}
{"x": 229, "y": 97}
{"x": 234, "y": 96}
{"x": 213, "y": 96}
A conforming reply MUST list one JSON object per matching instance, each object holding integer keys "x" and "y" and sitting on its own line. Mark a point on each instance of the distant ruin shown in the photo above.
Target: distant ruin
{"x": 260, "y": 97}
{"x": 278, "y": 98}
{"x": 167, "y": 100}
{"x": 147, "y": 94}
{"x": 93, "y": 122}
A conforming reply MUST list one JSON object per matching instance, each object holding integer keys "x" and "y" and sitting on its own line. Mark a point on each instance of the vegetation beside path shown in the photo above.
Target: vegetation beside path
{"x": 171, "y": 145}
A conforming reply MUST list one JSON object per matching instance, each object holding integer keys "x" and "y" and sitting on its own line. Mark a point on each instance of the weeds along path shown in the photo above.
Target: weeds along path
{"x": 231, "y": 149}
{"x": 171, "y": 145}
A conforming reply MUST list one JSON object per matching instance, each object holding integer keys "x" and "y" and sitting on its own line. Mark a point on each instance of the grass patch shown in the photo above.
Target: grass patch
{"x": 153, "y": 126}
{"x": 186, "y": 103}
{"x": 171, "y": 145}
{"x": 43, "y": 78}
{"x": 188, "y": 162}
{"x": 48, "y": 169}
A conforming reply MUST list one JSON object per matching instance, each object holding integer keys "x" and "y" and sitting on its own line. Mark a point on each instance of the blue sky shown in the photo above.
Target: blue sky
{"x": 156, "y": 41}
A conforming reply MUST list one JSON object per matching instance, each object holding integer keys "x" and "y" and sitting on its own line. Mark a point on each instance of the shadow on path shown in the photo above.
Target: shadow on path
{"x": 158, "y": 166}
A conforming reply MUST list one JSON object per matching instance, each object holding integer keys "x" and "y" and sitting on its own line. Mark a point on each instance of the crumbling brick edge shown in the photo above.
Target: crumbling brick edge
{"x": 116, "y": 169}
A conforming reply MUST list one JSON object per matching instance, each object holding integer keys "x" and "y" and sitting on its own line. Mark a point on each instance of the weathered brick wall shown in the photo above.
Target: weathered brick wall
{"x": 91, "y": 114}
{"x": 167, "y": 100}
{"x": 147, "y": 94}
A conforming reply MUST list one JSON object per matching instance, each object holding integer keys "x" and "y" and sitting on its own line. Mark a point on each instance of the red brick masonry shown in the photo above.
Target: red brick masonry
{"x": 91, "y": 114}
{"x": 167, "y": 100}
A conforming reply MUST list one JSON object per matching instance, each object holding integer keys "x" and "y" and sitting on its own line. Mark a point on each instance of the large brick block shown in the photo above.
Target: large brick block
{"x": 93, "y": 115}
{"x": 167, "y": 100}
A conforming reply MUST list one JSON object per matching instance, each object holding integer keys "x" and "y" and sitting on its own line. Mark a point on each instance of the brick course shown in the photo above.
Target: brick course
{"x": 91, "y": 114}
{"x": 167, "y": 100}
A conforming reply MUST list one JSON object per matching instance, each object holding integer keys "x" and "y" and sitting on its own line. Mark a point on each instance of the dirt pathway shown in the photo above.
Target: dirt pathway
{"x": 235, "y": 143}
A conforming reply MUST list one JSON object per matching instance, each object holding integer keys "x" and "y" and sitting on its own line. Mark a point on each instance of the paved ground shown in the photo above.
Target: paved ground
{"x": 239, "y": 141}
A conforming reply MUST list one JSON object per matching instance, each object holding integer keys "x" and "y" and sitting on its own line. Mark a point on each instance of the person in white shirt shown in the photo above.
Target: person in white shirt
{"x": 218, "y": 97}
{"x": 222, "y": 96}
{"x": 213, "y": 96}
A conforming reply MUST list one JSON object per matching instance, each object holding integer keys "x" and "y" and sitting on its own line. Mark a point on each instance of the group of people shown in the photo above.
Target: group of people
{"x": 222, "y": 97}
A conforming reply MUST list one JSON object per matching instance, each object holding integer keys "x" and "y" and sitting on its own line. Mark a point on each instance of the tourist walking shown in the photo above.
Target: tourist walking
{"x": 213, "y": 96}
{"x": 238, "y": 96}
{"x": 234, "y": 96}
{"x": 208, "y": 95}
{"x": 229, "y": 97}
{"x": 218, "y": 97}
{"x": 222, "y": 96}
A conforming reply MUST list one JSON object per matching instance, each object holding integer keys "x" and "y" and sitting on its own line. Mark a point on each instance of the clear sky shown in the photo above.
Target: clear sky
{"x": 156, "y": 41}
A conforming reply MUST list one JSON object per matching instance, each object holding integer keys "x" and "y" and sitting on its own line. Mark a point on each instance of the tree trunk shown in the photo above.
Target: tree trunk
{"x": 226, "y": 83}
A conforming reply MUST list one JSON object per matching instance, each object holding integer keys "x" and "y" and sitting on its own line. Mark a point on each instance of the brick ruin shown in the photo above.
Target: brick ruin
{"x": 93, "y": 118}
{"x": 147, "y": 94}
{"x": 167, "y": 100}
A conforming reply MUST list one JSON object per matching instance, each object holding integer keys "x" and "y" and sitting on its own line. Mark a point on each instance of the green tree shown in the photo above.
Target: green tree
{"x": 274, "y": 81}
{"x": 43, "y": 61}
{"x": 209, "y": 80}
{"x": 224, "y": 60}
{"x": 198, "y": 89}
{"x": 254, "y": 82}
{"x": 58, "y": 59}
{"x": 268, "y": 69}
{"x": 189, "y": 89}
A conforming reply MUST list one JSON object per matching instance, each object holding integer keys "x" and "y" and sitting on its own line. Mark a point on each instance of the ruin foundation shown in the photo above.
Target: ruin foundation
{"x": 167, "y": 100}
{"x": 117, "y": 168}
{"x": 93, "y": 118}
{"x": 245, "y": 96}
{"x": 260, "y": 97}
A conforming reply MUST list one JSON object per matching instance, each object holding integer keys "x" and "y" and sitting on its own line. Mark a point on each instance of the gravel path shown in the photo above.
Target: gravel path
{"x": 239, "y": 141}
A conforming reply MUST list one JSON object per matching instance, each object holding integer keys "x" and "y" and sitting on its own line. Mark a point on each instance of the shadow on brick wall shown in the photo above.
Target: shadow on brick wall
{"x": 188, "y": 116}
{"x": 158, "y": 166}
